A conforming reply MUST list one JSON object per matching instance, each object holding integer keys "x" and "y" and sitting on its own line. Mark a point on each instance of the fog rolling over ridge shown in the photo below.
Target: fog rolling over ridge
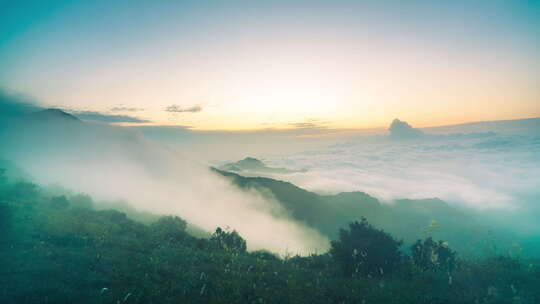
{"x": 489, "y": 168}
{"x": 112, "y": 162}
{"x": 491, "y": 175}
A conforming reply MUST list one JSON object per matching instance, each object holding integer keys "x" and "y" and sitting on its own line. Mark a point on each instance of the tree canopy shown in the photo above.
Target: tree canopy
{"x": 59, "y": 249}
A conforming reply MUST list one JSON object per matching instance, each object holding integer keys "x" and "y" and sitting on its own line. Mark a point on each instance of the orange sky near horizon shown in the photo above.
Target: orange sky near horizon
{"x": 246, "y": 66}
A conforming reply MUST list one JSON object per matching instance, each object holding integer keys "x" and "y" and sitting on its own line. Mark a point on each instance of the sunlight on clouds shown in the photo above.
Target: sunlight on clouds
{"x": 478, "y": 170}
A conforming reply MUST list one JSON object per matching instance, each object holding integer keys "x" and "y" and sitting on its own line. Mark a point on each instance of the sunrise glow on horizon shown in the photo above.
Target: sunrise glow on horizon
{"x": 242, "y": 65}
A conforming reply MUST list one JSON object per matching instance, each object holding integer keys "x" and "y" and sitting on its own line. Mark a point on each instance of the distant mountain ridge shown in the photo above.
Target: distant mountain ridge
{"x": 53, "y": 114}
{"x": 255, "y": 165}
{"x": 409, "y": 219}
{"x": 522, "y": 125}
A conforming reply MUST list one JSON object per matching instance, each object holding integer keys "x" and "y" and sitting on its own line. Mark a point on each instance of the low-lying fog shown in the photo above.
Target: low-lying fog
{"x": 111, "y": 163}
{"x": 492, "y": 168}
{"x": 489, "y": 168}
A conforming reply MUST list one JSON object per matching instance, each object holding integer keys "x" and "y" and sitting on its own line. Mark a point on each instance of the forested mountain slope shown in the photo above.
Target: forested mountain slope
{"x": 59, "y": 249}
{"x": 407, "y": 219}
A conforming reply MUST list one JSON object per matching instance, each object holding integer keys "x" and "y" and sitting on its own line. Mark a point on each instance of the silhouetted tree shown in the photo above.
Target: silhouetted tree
{"x": 3, "y": 184}
{"x": 228, "y": 241}
{"x": 366, "y": 250}
{"x": 170, "y": 229}
{"x": 23, "y": 191}
{"x": 59, "y": 202}
{"x": 431, "y": 255}
{"x": 5, "y": 219}
{"x": 3, "y": 177}
{"x": 82, "y": 201}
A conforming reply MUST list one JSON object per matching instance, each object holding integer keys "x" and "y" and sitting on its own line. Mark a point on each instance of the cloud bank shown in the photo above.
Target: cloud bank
{"x": 110, "y": 162}
{"x": 477, "y": 170}
{"x": 402, "y": 130}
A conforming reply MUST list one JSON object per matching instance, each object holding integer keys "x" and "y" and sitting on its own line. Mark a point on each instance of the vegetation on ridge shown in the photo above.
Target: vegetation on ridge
{"x": 58, "y": 249}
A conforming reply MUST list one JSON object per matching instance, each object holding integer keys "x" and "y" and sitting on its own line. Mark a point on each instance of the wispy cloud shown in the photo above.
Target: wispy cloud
{"x": 178, "y": 109}
{"x": 107, "y": 118}
{"x": 309, "y": 123}
{"x": 125, "y": 109}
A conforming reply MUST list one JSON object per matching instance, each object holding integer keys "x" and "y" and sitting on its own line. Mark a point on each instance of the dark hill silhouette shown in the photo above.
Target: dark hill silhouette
{"x": 409, "y": 219}
{"x": 53, "y": 114}
{"x": 253, "y": 165}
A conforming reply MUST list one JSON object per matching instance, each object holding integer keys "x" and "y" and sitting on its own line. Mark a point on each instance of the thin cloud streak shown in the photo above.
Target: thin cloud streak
{"x": 178, "y": 109}
{"x": 125, "y": 109}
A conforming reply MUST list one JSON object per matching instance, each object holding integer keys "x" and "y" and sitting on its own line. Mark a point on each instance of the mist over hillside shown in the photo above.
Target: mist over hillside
{"x": 486, "y": 179}
{"x": 377, "y": 218}
{"x": 114, "y": 259}
{"x": 257, "y": 152}
{"x": 409, "y": 219}
{"x": 112, "y": 163}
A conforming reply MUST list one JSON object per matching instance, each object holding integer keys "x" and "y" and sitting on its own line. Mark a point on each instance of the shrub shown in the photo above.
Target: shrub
{"x": 228, "y": 241}
{"x": 170, "y": 228}
{"x": 431, "y": 255}
{"x": 59, "y": 202}
{"x": 366, "y": 250}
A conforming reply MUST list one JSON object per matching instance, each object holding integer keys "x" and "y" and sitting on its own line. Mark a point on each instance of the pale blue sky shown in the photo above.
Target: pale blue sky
{"x": 254, "y": 64}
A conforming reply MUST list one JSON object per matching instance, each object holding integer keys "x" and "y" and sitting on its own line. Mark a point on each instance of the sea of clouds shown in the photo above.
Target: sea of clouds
{"x": 480, "y": 170}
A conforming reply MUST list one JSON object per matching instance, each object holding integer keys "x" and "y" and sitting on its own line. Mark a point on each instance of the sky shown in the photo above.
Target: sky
{"x": 245, "y": 65}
